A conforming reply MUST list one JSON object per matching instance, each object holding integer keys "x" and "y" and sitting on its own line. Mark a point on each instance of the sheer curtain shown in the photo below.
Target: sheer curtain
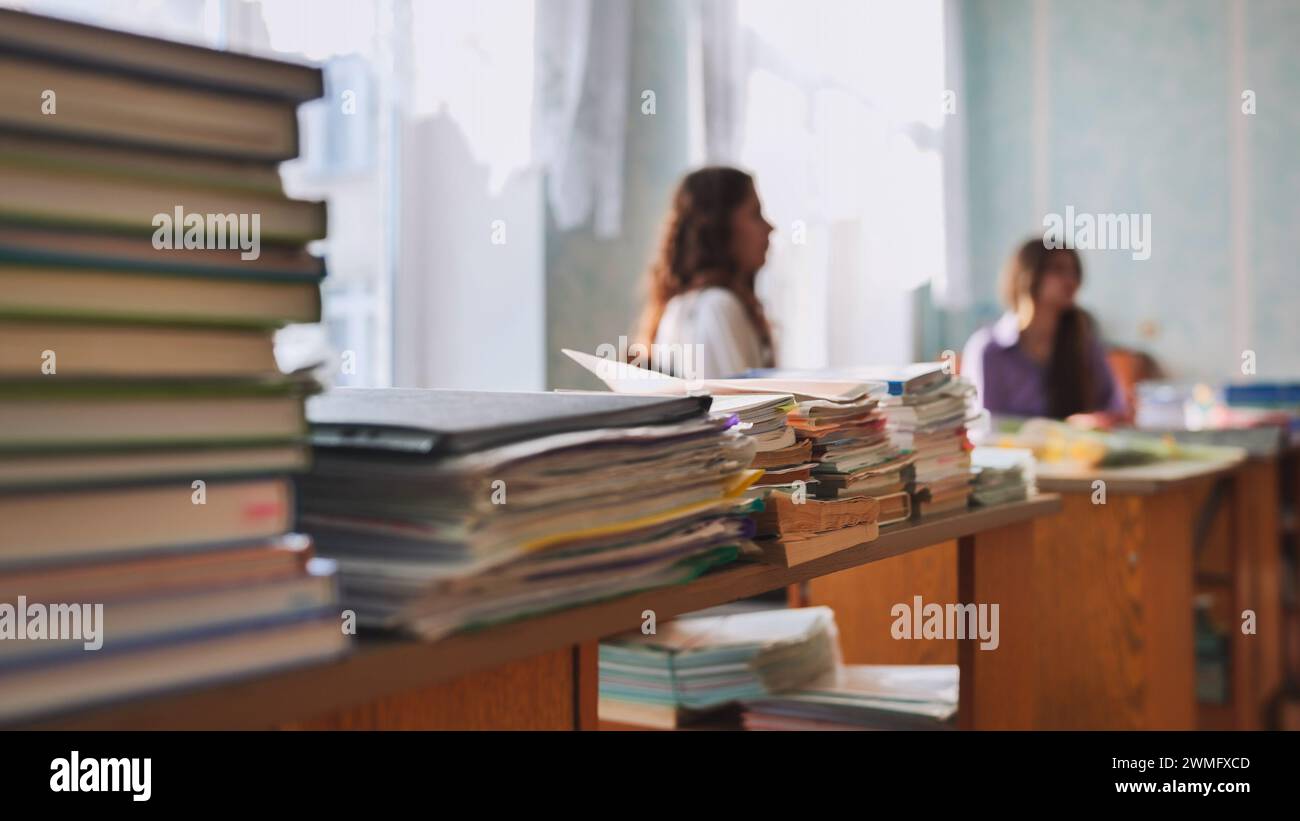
{"x": 839, "y": 109}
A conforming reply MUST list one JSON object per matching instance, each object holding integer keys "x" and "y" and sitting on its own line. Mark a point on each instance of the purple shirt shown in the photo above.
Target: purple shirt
{"x": 1011, "y": 383}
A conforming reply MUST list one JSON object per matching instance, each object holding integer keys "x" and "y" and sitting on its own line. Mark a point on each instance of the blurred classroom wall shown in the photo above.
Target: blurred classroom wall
{"x": 1135, "y": 106}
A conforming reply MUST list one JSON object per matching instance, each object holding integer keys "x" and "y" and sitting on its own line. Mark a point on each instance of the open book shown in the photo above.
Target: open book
{"x": 626, "y": 378}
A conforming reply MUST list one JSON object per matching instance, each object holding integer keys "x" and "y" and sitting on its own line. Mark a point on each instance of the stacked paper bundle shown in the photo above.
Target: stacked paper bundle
{"x": 927, "y": 421}
{"x": 703, "y": 663}
{"x": 846, "y": 436}
{"x": 793, "y": 530}
{"x": 843, "y": 455}
{"x": 1002, "y": 475}
{"x": 147, "y": 256}
{"x": 764, "y": 418}
{"x": 455, "y": 509}
{"x": 863, "y": 697}
{"x": 856, "y": 456}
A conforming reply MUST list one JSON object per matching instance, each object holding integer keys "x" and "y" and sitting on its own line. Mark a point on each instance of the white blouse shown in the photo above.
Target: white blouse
{"x": 714, "y": 335}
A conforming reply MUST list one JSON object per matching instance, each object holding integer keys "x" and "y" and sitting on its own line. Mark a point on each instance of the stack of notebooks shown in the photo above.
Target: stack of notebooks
{"x": 856, "y": 456}
{"x": 928, "y": 410}
{"x": 764, "y": 418}
{"x": 1001, "y": 475}
{"x": 694, "y": 665}
{"x": 863, "y": 697}
{"x": 852, "y": 478}
{"x": 448, "y": 510}
{"x": 851, "y": 471}
{"x": 146, "y": 434}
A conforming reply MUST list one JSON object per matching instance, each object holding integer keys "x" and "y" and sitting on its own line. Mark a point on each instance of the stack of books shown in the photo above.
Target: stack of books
{"x": 841, "y": 481}
{"x": 928, "y": 410}
{"x": 847, "y": 437}
{"x": 1002, "y": 475}
{"x": 856, "y": 455}
{"x": 764, "y": 418}
{"x": 925, "y": 410}
{"x": 863, "y": 697}
{"x": 448, "y": 510}
{"x": 692, "y": 665}
{"x": 1261, "y": 403}
{"x": 793, "y": 530}
{"x": 147, "y": 255}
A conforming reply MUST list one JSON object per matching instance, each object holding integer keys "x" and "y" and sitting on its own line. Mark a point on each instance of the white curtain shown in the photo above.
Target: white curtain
{"x": 951, "y": 286}
{"x": 724, "y": 66}
{"x": 583, "y": 53}
{"x": 838, "y": 107}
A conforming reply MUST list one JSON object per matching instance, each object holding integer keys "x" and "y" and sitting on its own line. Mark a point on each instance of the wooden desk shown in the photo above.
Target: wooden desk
{"x": 1096, "y": 604}
{"x": 535, "y": 673}
{"x": 1125, "y": 586}
{"x": 1242, "y": 567}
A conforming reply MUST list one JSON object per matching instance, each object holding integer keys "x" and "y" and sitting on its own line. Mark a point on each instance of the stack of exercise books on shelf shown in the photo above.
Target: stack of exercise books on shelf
{"x": 1001, "y": 476}
{"x": 146, "y": 434}
{"x": 691, "y": 666}
{"x": 845, "y": 436}
{"x": 856, "y": 456}
{"x": 840, "y": 439}
{"x": 450, "y": 510}
{"x": 764, "y": 418}
{"x": 863, "y": 697}
{"x": 928, "y": 410}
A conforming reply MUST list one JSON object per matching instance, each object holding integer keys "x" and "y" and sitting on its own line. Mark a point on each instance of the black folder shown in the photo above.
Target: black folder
{"x": 451, "y": 422}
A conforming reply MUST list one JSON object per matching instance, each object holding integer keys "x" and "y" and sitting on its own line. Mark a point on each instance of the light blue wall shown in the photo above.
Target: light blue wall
{"x": 1273, "y": 72}
{"x": 1140, "y": 108}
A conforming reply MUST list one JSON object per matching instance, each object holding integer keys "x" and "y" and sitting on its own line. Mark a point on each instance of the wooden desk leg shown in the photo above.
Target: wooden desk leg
{"x": 1257, "y": 575}
{"x": 545, "y": 692}
{"x": 997, "y": 684}
{"x": 586, "y": 672}
{"x": 1165, "y": 576}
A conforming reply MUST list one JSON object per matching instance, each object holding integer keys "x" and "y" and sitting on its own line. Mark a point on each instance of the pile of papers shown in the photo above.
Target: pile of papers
{"x": 849, "y": 440}
{"x": 1002, "y": 475}
{"x": 1062, "y": 446}
{"x": 703, "y": 663}
{"x": 863, "y": 697}
{"x": 927, "y": 421}
{"x": 857, "y": 456}
{"x": 448, "y": 510}
{"x": 924, "y": 410}
{"x": 764, "y": 418}
{"x": 842, "y": 452}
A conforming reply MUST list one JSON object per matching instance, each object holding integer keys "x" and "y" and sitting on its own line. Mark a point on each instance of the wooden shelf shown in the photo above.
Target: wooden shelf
{"x": 381, "y": 666}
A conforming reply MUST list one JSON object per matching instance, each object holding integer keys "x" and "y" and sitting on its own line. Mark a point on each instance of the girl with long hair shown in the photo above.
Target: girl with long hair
{"x": 700, "y": 285}
{"x": 1044, "y": 356}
